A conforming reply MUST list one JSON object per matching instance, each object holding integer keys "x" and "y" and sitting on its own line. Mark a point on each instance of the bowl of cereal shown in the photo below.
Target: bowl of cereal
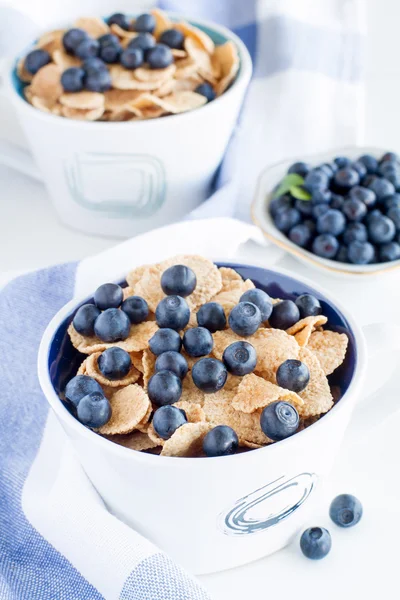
{"x": 120, "y": 113}
{"x": 206, "y": 401}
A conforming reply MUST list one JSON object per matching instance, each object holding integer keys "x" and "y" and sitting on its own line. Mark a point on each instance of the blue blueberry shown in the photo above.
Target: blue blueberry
{"x": 108, "y": 38}
{"x": 245, "y": 318}
{"x": 85, "y": 318}
{"x": 112, "y": 325}
{"x": 342, "y": 254}
{"x": 311, "y": 226}
{"x": 206, "y": 90}
{"x": 368, "y": 179}
{"x": 345, "y": 510}
{"x": 355, "y": 232}
{"x": 394, "y": 214}
{"x": 240, "y": 358}
{"x": 355, "y": 210}
{"x": 172, "y": 38}
{"x": 132, "y": 58}
{"x": 178, "y": 280}
{"x": 300, "y": 168}
{"x": 280, "y": 203}
{"x": 328, "y": 168}
{"x": 119, "y": 19}
{"x": 94, "y": 64}
{"x": 382, "y": 188}
{"x": 165, "y": 340}
{"x": 333, "y": 221}
{"x": 211, "y": 316}
{"x": 321, "y": 197}
{"x": 220, "y": 441}
{"x": 143, "y": 41}
{"x": 172, "y": 361}
{"x": 279, "y": 420}
{"x": 209, "y": 375}
{"x": 381, "y": 230}
{"x": 300, "y": 235}
{"x": 80, "y": 386}
{"x": 315, "y": 543}
{"x": 391, "y": 201}
{"x": 114, "y": 363}
{"x": 371, "y": 216}
{"x": 360, "y": 253}
{"x": 110, "y": 51}
{"x": 260, "y": 299}
{"x": 198, "y": 341}
{"x": 159, "y": 57}
{"x": 363, "y": 194}
{"x": 337, "y": 201}
{"x": 390, "y": 157}
{"x": 167, "y": 419}
{"x": 97, "y": 80}
{"x": 319, "y": 210}
{"x": 388, "y": 168}
{"x": 342, "y": 162}
{"x": 72, "y": 38}
{"x": 284, "y": 315}
{"x": 108, "y": 295}
{"x": 144, "y": 23}
{"x": 316, "y": 180}
{"x": 94, "y": 410}
{"x": 304, "y": 207}
{"x": 173, "y": 312}
{"x": 136, "y": 308}
{"x": 325, "y": 246}
{"x": 87, "y": 49}
{"x": 286, "y": 219}
{"x": 346, "y": 178}
{"x": 390, "y": 251}
{"x": 308, "y": 305}
{"x": 36, "y": 59}
{"x": 293, "y": 375}
{"x": 72, "y": 79}
{"x": 370, "y": 163}
{"x": 164, "y": 387}
{"x": 360, "y": 168}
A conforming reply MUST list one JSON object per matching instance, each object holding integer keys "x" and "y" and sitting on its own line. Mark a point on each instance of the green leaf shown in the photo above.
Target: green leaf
{"x": 289, "y": 181}
{"x": 300, "y": 193}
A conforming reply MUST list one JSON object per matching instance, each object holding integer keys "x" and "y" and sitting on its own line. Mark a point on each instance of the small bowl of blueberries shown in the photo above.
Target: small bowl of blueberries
{"x": 336, "y": 211}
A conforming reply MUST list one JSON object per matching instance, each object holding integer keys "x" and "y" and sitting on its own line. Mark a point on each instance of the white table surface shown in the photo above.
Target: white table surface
{"x": 363, "y": 561}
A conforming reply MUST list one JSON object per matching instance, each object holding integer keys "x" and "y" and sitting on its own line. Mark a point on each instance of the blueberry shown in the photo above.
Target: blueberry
{"x": 94, "y": 410}
{"x": 316, "y": 180}
{"x": 325, "y": 245}
{"x": 245, "y": 318}
{"x": 337, "y": 201}
{"x": 333, "y": 221}
{"x": 85, "y": 318}
{"x": 220, "y": 441}
{"x": 346, "y": 178}
{"x": 363, "y": 194}
{"x": 382, "y": 188}
{"x": 178, "y": 280}
{"x": 300, "y": 235}
{"x": 206, "y": 90}
{"x": 72, "y": 38}
{"x": 372, "y": 216}
{"x": 300, "y": 168}
{"x": 260, "y": 299}
{"x": 164, "y": 387}
{"x": 107, "y": 39}
{"x": 110, "y": 52}
{"x": 87, "y": 49}
{"x": 35, "y": 60}
{"x": 165, "y": 340}
{"x": 280, "y": 203}
{"x": 311, "y": 226}
{"x": 355, "y": 210}
{"x": 112, "y": 325}
{"x": 370, "y": 163}
{"x": 284, "y": 315}
{"x": 342, "y": 162}
{"x": 97, "y": 81}
{"x": 390, "y": 157}
{"x": 355, "y": 232}
{"x": 173, "y": 312}
{"x": 368, "y": 179}
{"x": 240, "y": 358}
{"x": 390, "y": 251}
{"x": 329, "y": 169}
{"x": 159, "y": 57}
{"x": 345, "y": 510}
{"x": 315, "y": 543}
{"x": 72, "y": 79}
{"x": 394, "y": 178}
{"x": 394, "y": 214}
{"x": 119, "y": 19}
{"x": 198, "y": 341}
{"x": 209, "y": 375}
{"x": 304, "y": 206}
{"x": 319, "y": 210}
{"x": 172, "y": 38}
{"x": 172, "y": 361}
{"x": 308, "y": 305}
{"x": 136, "y": 308}
{"x": 108, "y": 295}
{"x": 293, "y": 375}
{"x": 211, "y": 316}
{"x": 132, "y": 58}
{"x": 286, "y": 219}
{"x": 79, "y": 386}
{"x": 321, "y": 197}
{"x": 342, "y": 254}
{"x": 279, "y": 420}
{"x": 360, "y": 168}
{"x": 114, "y": 363}
{"x": 387, "y": 168}
{"x": 360, "y": 253}
{"x": 143, "y": 41}
{"x": 93, "y": 65}
{"x": 391, "y": 201}
{"x": 381, "y": 230}
{"x": 145, "y": 23}
{"x": 167, "y": 419}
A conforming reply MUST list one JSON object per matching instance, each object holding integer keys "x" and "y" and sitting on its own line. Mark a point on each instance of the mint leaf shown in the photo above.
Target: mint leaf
{"x": 300, "y": 193}
{"x": 289, "y": 181}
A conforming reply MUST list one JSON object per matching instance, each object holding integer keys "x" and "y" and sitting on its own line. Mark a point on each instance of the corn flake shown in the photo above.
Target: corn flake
{"x": 187, "y": 440}
{"x": 330, "y": 349}
{"x": 317, "y": 395}
{"x": 255, "y": 392}
{"x": 129, "y": 406}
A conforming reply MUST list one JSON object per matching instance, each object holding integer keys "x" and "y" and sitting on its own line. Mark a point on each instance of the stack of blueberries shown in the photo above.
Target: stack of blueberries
{"x": 352, "y": 214}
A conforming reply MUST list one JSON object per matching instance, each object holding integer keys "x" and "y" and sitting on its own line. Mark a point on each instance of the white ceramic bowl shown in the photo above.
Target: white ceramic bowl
{"x": 267, "y": 181}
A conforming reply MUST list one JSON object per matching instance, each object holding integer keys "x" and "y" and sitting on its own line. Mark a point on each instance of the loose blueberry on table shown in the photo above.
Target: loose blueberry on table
{"x": 315, "y": 543}
{"x": 353, "y": 204}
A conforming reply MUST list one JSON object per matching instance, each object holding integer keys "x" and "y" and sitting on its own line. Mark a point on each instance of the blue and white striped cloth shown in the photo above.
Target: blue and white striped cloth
{"x": 57, "y": 540}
